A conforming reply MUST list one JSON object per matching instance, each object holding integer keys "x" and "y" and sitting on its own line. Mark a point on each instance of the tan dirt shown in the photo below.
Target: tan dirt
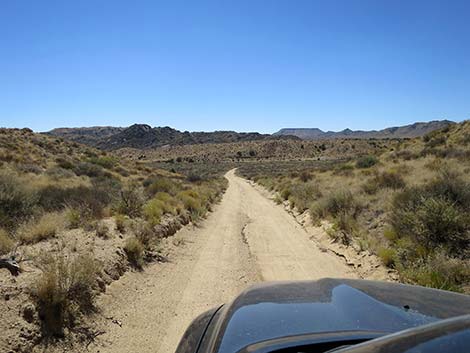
{"x": 247, "y": 239}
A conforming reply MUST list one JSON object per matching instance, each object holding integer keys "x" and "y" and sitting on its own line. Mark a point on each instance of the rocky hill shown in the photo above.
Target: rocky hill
{"x": 86, "y": 135}
{"x": 144, "y": 136}
{"x": 407, "y": 131}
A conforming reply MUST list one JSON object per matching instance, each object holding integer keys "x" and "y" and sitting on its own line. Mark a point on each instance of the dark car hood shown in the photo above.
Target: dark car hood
{"x": 280, "y": 309}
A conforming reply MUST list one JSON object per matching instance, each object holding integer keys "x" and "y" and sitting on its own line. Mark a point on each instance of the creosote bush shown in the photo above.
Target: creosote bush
{"x": 65, "y": 290}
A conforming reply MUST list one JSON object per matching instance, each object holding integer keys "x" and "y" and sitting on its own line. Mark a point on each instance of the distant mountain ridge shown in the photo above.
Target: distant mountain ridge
{"x": 144, "y": 136}
{"x": 406, "y": 131}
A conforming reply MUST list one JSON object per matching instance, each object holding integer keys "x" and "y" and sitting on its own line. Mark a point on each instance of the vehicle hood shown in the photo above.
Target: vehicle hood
{"x": 279, "y": 309}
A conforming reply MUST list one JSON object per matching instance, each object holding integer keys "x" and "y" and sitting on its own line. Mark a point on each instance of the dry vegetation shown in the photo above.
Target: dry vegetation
{"x": 409, "y": 205}
{"x": 50, "y": 189}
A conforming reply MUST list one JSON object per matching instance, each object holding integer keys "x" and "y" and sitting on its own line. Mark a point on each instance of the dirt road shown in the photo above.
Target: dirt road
{"x": 245, "y": 240}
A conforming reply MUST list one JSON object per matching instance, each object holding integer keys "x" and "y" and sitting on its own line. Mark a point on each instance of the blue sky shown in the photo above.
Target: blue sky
{"x": 245, "y": 65}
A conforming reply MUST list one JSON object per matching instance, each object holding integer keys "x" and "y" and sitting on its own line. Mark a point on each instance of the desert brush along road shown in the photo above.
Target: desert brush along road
{"x": 247, "y": 239}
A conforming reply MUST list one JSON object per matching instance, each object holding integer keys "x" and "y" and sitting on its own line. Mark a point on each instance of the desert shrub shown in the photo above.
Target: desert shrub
{"x": 135, "y": 252}
{"x": 64, "y": 163}
{"x": 386, "y": 179}
{"x": 65, "y": 290}
{"x": 17, "y": 200}
{"x": 153, "y": 211}
{"x": 74, "y": 218}
{"x": 101, "y": 229}
{"x": 285, "y": 193}
{"x": 439, "y": 271}
{"x": 45, "y": 227}
{"x": 370, "y": 186}
{"x": 88, "y": 169}
{"x": 366, "y": 161}
{"x": 145, "y": 233}
{"x": 132, "y": 200}
{"x": 388, "y": 256}
{"x": 120, "y": 223}
{"x": 105, "y": 161}
{"x": 435, "y": 214}
{"x": 6, "y": 243}
{"x": 59, "y": 173}
{"x": 190, "y": 200}
{"x": 344, "y": 169}
{"x": 336, "y": 203}
{"x": 194, "y": 178}
{"x": 29, "y": 168}
{"x": 305, "y": 176}
{"x": 90, "y": 201}
{"x": 345, "y": 222}
{"x": 161, "y": 184}
{"x": 302, "y": 195}
{"x": 389, "y": 179}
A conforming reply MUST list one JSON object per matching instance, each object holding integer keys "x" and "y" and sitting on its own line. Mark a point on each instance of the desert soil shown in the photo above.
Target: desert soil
{"x": 247, "y": 239}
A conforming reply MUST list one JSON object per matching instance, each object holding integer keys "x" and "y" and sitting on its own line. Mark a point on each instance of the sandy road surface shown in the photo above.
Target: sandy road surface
{"x": 246, "y": 239}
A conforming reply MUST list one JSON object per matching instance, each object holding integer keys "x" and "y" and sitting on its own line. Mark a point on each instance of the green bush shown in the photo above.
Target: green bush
{"x": 17, "y": 200}
{"x": 89, "y": 169}
{"x": 135, "y": 252}
{"x": 366, "y": 162}
{"x": 105, "y": 161}
{"x": 89, "y": 201}
{"x": 435, "y": 214}
{"x": 132, "y": 200}
{"x": 388, "y": 256}
{"x": 439, "y": 271}
{"x": 161, "y": 184}
{"x": 153, "y": 211}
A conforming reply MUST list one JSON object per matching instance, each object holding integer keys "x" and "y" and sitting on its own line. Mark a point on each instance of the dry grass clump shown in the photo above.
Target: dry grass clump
{"x": 135, "y": 251}
{"x": 45, "y": 227}
{"x": 101, "y": 229}
{"x": 6, "y": 242}
{"x": 65, "y": 290}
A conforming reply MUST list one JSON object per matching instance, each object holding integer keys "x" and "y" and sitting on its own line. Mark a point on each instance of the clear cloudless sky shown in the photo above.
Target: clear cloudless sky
{"x": 246, "y": 65}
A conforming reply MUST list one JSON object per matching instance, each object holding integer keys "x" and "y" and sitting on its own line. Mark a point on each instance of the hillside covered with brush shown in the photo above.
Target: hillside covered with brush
{"x": 410, "y": 206}
{"x": 72, "y": 220}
